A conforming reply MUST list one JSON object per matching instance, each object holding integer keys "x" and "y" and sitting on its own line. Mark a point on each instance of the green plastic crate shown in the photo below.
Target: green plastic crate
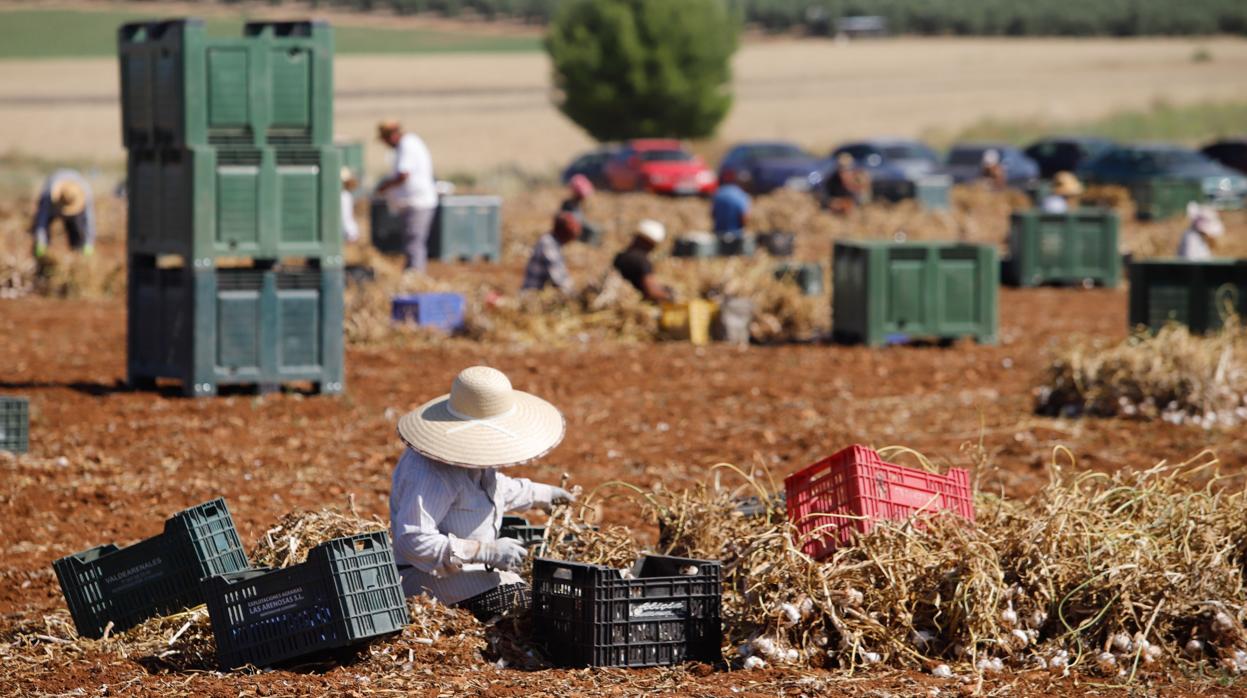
{"x": 1064, "y": 248}
{"x": 207, "y": 202}
{"x": 181, "y": 87}
{"x": 885, "y": 293}
{"x": 346, "y": 593}
{"x": 1199, "y": 295}
{"x": 209, "y": 327}
{"x": 808, "y": 276}
{"x": 154, "y": 577}
{"x": 1157, "y": 199}
{"x": 14, "y": 424}
{"x": 466, "y": 228}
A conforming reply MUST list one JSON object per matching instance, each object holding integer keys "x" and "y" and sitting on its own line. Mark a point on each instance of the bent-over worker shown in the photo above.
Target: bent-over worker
{"x": 546, "y": 265}
{"x": 580, "y": 190}
{"x": 634, "y": 264}
{"x": 1203, "y": 232}
{"x": 848, "y": 186}
{"x": 729, "y": 210}
{"x": 65, "y": 196}
{"x": 1064, "y": 194}
{"x": 410, "y": 190}
{"x": 448, "y": 494}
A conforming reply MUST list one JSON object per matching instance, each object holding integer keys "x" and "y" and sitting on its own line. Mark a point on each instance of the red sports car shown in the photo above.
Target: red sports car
{"x": 660, "y": 166}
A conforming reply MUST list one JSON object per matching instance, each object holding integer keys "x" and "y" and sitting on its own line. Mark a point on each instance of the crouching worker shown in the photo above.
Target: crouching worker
{"x": 448, "y": 496}
{"x": 65, "y": 196}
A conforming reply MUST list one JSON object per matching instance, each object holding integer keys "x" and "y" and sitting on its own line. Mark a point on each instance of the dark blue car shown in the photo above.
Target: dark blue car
{"x": 1133, "y": 166}
{"x": 759, "y": 167}
{"x": 1066, "y": 153}
{"x": 894, "y": 164}
{"x": 592, "y": 165}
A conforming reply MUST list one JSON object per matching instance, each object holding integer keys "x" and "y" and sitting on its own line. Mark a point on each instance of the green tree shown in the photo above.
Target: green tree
{"x": 643, "y": 68}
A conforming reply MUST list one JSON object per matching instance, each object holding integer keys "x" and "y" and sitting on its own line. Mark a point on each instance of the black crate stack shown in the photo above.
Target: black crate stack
{"x": 235, "y": 252}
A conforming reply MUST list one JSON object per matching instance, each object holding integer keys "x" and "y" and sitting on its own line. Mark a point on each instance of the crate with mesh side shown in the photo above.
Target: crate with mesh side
{"x": 1199, "y": 294}
{"x": 262, "y": 325}
{"x": 346, "y": 593}
{"x": 157, "y": 576}
{"x": 668, "y": 612}
{"x": 847, "y": 493}
{"x": 14, "y": 424}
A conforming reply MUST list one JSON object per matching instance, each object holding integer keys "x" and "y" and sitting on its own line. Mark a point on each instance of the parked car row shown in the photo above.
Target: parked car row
{"x": 667, "y": 167}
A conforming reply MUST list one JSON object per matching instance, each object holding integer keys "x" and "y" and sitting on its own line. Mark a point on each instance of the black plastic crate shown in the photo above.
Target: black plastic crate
{"x": 517, "y": 527}
{"x": 14, "y": 424}
{"x": 347, "y": 592}
{"x": 590, "y": 615}
{"x": 154, "y": 577}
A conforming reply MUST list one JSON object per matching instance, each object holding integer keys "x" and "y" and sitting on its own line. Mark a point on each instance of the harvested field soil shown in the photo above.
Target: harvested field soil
{"x": 108, "y": 464}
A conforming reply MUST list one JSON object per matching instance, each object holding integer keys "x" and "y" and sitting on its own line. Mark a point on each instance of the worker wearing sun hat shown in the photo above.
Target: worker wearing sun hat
{"x": 634, "y": 264}
{"x": 581, "y": 189}
{"x": 1204, "y": 230}
{"x": 410, "y": 190}
{"x": 65, "y": 196}
{"x": 1064, "y": 194}
{"x": 448, "y": 496}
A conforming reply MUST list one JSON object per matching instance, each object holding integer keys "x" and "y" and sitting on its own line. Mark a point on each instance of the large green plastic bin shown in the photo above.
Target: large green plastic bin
{"x": 1199, "y": 295}
{"x": 1064, "y": 248}
{"x": 212, "y": 327}
{"x": 1160, "y": 198}
{"x": 180, "y": 87}
{"x": 885, "y": 293}
{"x": 205, "y": 202}
{"x": 466, "y": 228}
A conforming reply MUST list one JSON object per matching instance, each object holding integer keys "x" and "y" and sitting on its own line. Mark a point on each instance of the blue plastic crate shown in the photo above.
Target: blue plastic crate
{"x": 443, "y": 311}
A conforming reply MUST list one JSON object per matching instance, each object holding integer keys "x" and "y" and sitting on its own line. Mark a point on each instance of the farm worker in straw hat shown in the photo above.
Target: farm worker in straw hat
{"x": 1203, "y": 231}
{"x": 580, "y": 190}
{"x": 546, "y": 265}
{"x": 410, "y": 190}
{"x": 448, "y": 496}
{"x": 1064, "y": 194}
{"x": 634, "y": 264}
{"x": 350, "y": 228}
{"x": 67, "y": 196}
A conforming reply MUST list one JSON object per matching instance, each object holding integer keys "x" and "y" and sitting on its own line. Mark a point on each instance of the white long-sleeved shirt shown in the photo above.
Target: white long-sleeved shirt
{"x": 1194, "y": 246}
{"x": 435, "y": 508}
{"x": 411, "y": 157}
{"x": 350, "y": 228}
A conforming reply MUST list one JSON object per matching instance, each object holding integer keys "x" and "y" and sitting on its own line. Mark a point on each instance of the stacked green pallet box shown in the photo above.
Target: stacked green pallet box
{"x": 235, "y": 267}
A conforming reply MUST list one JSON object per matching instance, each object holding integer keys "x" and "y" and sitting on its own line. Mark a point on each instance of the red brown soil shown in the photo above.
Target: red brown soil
{"x": 108, "y": 464}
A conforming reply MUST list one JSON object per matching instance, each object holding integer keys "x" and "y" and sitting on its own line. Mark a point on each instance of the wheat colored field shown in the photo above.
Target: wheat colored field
{"x": 480, "y": 112}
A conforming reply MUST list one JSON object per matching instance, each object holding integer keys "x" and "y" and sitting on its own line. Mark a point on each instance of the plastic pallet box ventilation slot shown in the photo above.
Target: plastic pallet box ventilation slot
{"x": 181, "y": 87}
{"x": 1064, "y": 248}
{"x": 205, "y": 202}
{"x": 845, "y": 494}
{"x": 467, "y": 228}
{"x": 14, "y": 424}
{"x": 346, "y": 593}
{"x": 1200, "y": 295}
{"x": 257, "y": 326}
{"x": 154, "y": 577}
{"x": 441, "y": 311}
{"x": 590, "y": 615}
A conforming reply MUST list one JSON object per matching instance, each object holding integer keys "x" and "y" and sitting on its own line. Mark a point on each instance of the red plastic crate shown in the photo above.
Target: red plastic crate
{"x": 846, "y": 493}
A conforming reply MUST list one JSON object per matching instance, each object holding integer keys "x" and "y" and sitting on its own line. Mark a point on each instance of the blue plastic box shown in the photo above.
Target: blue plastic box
{"x": 443, "y": 311}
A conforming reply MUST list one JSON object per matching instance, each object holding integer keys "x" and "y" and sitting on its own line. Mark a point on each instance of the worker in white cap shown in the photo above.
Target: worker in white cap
{"x": 634, "y": 264}
{"x": 67, "y": 196}
{"x": 448, "y": 494}
{"x": 1204, "y": 229}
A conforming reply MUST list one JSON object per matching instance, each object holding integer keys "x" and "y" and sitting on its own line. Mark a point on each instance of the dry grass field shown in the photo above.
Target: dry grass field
{"x": 484, "y": 111}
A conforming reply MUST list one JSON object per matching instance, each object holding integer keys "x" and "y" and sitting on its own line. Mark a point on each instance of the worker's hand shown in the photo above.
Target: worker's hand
{"x": 88, "y": 250}
{"x": 558, "y": 497}
{"x": 41, "y": 248}
{"x": 502, "y": 554}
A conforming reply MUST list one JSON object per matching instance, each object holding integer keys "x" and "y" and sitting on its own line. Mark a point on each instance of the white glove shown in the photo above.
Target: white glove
{"x": 558, "y": 497}
{"x": 502, "y": 554}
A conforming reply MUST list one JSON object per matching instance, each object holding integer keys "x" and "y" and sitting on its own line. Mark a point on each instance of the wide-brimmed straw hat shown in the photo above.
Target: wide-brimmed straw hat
{"x": 483, "y": 423}
{"x": 1066, "y": 184}
{"x": 69, "y": 197}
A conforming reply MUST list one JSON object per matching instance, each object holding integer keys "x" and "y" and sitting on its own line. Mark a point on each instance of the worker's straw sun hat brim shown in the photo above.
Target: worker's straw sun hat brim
{"x": 530, "y": 429}
{"x": 69, "y": 198}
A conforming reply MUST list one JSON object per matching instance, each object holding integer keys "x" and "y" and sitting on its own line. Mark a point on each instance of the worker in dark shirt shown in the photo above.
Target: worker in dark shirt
{"x": 634, "y": 265}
